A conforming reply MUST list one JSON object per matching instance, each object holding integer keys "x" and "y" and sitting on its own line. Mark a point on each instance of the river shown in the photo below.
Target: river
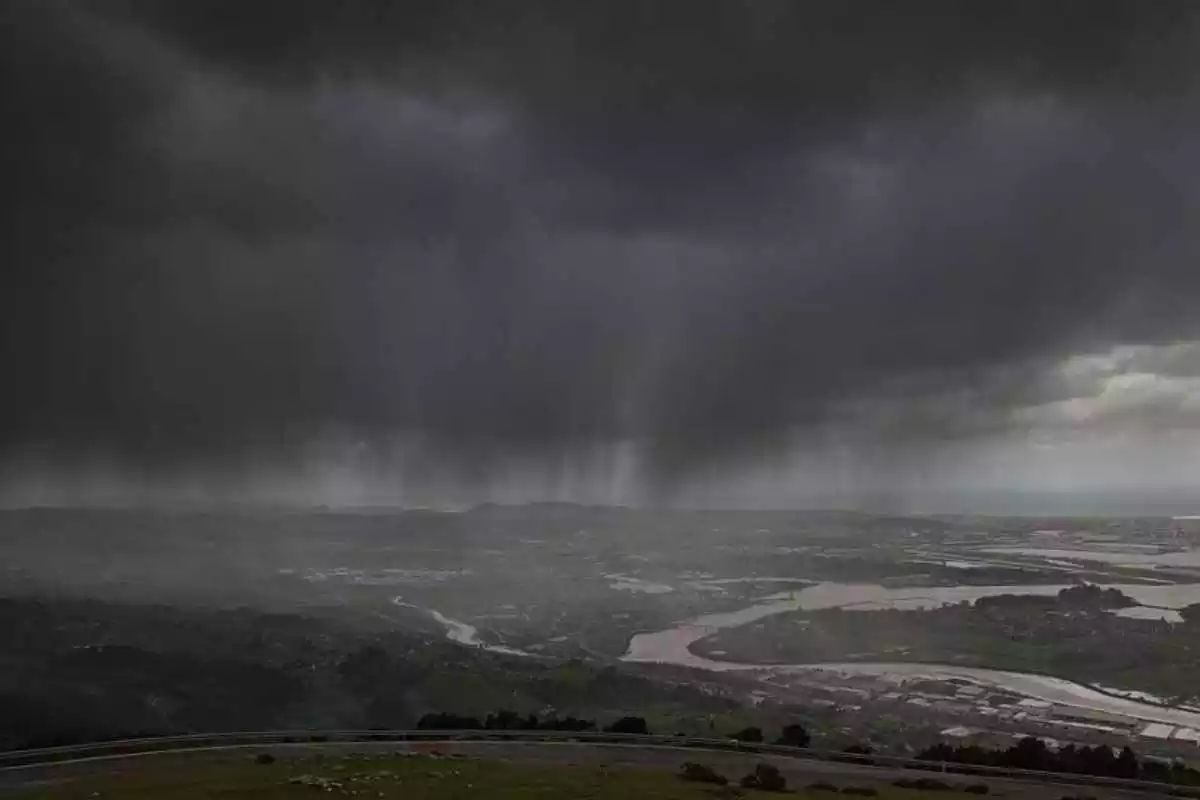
{"x": 670, "y": 646}
{"x": 464, "y": 633}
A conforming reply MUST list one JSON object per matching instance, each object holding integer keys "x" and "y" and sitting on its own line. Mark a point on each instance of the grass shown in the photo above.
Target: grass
{"x": 392, "y": 778}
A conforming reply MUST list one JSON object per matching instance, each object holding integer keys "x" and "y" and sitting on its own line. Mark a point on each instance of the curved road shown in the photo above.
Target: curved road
{"x": 799, "y": 769}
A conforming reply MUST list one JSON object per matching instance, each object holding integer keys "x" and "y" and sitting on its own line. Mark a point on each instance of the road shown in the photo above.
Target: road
{"x": 799, "y": 771}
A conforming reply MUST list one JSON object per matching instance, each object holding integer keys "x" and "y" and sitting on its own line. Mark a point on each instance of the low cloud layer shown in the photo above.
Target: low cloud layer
{"x": 710, "y": 232}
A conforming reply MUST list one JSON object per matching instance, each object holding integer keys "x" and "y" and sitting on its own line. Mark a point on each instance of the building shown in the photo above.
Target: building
{"x": 1157, "y": 730}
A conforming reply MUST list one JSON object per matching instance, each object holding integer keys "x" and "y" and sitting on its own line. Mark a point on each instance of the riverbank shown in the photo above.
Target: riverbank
{"x": 672, "y": 646}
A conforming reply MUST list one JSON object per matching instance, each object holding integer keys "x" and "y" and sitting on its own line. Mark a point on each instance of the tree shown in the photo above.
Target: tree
{"x": 1191, "y": 614}
{"x": 750, "y": 734}
{"x": 794, "y": 735}
{"x": 1126, "y": 765}
{"x": 1029, "y": 753}
{"x": 937, "y": 752}
{"x": 566, "y": 724}
{"x": 1096, "y": 760}
{"x": 1089, "y": 595}
{"x": 502, "y": 721}
{"x": 628, "y": 725}
{"x": 448, "y": 722}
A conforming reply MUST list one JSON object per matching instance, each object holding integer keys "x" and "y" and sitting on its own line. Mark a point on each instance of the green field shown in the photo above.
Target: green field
{"x": 396, "y": 777}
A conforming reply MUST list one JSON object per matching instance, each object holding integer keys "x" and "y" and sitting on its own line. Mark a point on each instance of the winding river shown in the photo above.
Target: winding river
{"x": 462, "y": 632}
{"x": 670, "y": 646}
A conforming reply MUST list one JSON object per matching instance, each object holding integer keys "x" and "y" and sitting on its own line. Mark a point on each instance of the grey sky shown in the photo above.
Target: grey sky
{"x": 543, "y": 245}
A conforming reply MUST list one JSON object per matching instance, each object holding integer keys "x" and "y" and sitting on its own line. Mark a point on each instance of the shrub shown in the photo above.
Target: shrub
{"x": 264, "y": 758}
{"x": 976, "y": 788}
{"x": 701, "y": 773}
{"x": 750, "y": 734}
{"x": 923, "y": 784}
{"x": 628, "y": 725}
{"x": 766, "y": 777}
{"x": 794, "y": 736}
{"x": 822, "y": 786}
{"x": 448, "y": 722}
{"x": 861, "y": 791}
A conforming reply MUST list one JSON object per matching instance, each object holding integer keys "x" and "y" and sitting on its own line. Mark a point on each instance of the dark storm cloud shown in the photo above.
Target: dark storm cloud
{"x": 702, "y": 226}
{"x": 769, "y": 55}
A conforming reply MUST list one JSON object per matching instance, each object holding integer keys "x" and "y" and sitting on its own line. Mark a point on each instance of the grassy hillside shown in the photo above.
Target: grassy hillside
{"x": 80, "y": 670}
{"x": 400, "y": 777}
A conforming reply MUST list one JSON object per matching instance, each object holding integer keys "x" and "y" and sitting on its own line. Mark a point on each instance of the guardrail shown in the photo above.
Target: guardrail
{"x": 48, "y": 756}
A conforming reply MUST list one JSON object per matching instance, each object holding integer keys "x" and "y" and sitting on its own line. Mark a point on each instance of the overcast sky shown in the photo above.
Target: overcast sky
{"x": 756, "y": 252}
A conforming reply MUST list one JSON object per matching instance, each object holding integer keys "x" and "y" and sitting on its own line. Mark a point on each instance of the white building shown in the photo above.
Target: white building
{"x": 1157, "y": 730}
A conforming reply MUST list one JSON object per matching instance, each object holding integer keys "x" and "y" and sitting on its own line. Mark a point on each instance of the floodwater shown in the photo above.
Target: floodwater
{"x": 379, "y": 577}
{"x": 1185, "y": 558}
{"x": 1042, "y": 687}
{"x": 670, "y": 646}
{"x": 629, "y": 583}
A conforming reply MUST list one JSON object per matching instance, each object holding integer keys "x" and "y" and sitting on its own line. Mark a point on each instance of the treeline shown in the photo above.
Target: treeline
{"x": 792, "y": 735}
{"x": 1089, "y": 595}
{"x": 1082, "y": 597}
{"x": 505, "y": 721}
{"x": 1032, "y": 753}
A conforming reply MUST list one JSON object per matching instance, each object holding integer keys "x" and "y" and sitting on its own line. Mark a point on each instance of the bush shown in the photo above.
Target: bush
{"x": 750, "y": 734}
{"x": 628, "y": 725}
{"x": 264, "y": 758}
{"x": 766, "y": 777}
{"x": 976, "y": 788}
{"x": 567, "y": 724}
{"x": 506, "y": 721}
{"x": 822, "y": 786}
{"x": 923, "y": 784}
{"x": 861, "y": 791}
{"x": 448, "y": 722}
{"x": 701, "y": 773}
{"x": 793, "y": 736}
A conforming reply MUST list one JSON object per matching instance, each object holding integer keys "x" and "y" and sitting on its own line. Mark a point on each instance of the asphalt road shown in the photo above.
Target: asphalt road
{"x": 799, "y": 771}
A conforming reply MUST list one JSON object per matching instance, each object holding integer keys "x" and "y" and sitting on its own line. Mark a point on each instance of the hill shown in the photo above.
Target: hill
{"x": 427, "y": 775}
